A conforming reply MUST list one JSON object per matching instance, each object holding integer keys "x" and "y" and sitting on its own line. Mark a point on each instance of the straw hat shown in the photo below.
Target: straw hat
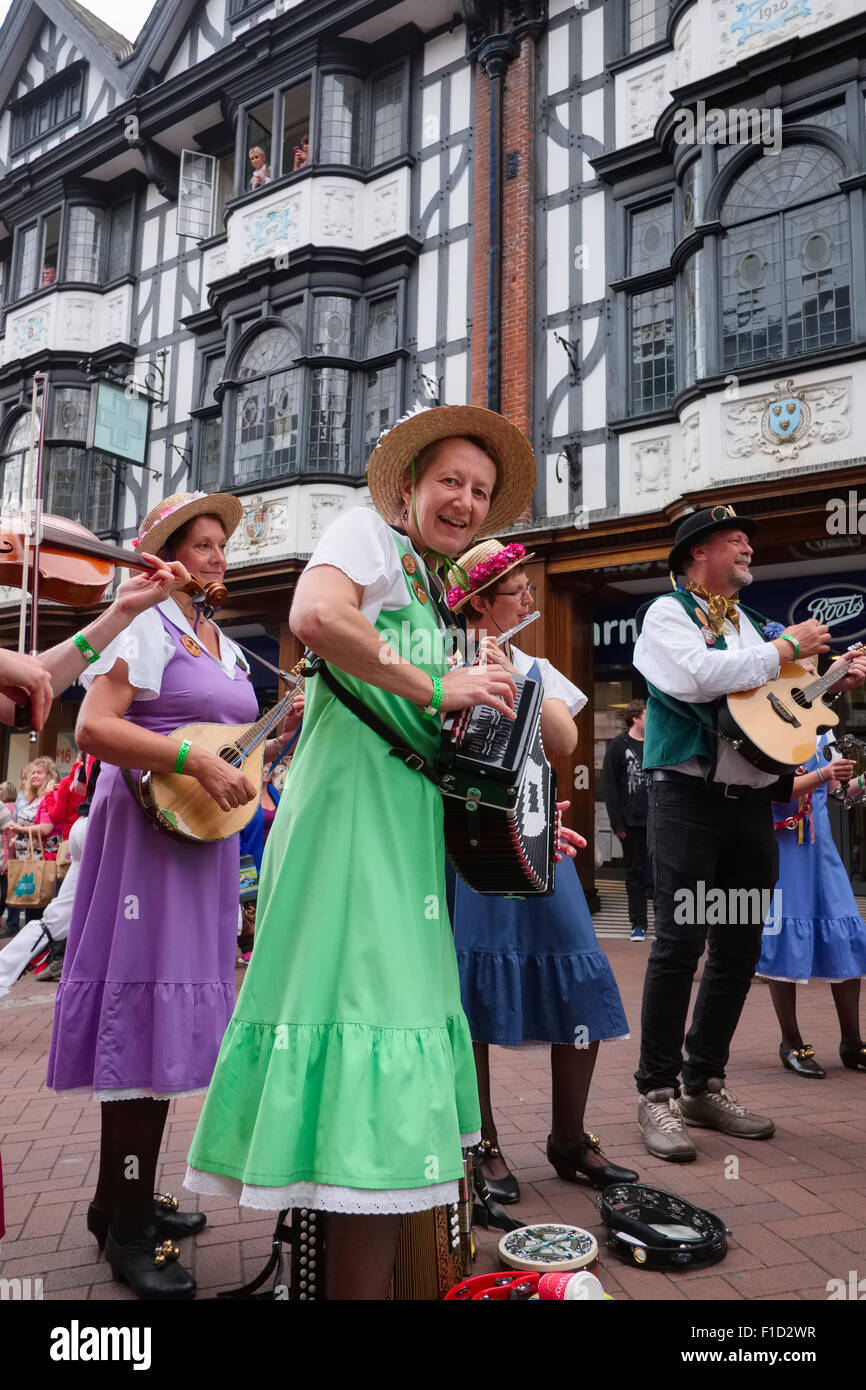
{"x": 173, "y": 512}
{"x": 484, "y": 564}
{"x": 510, "y": 449}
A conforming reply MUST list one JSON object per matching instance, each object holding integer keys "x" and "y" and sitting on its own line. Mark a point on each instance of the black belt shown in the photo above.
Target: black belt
{"x": 719, "y": 789}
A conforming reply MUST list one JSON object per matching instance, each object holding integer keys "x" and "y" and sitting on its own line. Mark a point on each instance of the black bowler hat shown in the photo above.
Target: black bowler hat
{"x": 700, "y": 525}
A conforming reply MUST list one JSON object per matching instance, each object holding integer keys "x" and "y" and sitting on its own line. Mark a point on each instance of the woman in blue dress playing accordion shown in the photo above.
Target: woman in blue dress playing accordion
{"x": 531, "y": 970}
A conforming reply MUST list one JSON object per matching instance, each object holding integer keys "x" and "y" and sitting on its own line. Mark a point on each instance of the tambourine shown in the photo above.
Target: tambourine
{"x": 549, "y": 1248}
{"x": 494, "y": 1288}
{"x": 654, "y": 1229}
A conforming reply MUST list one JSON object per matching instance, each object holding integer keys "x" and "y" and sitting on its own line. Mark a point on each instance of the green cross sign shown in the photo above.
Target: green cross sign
{"x": 119, "y": 423}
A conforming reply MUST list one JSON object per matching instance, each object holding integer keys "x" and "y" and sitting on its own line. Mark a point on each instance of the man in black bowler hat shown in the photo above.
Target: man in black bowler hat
{"x": 710, "y": 826}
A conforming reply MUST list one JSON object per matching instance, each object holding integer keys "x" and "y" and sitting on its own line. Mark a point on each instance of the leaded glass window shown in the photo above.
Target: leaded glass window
{"x": 342, "y": 100}
{"x": 84, "y": 244}
{"x": 693, "y": 307}
{"x": 120, "y": 240}
{"x": 381, "y": 326}
{"x": 69, "y": 411}
{"x": 832, "y": 119}
{"x": 652, "y": 336}
{"x": 387, "y": 117}
{"x": 380, "y": 404}
{"x": 209, "y": 444}
{"x": 79, "y": 486}
{"x": 692, "y": 196}
{"x": 651, "y": 238}
{"x": 647, "y": 22}
{"x": 268, "y": 407}
{"x": 786, "y": 276}
{"x": 28, "y": 256}
{"x": 334, "y": 326}
{"x": 330, "y": 421}
{"x": 13, "y": 461}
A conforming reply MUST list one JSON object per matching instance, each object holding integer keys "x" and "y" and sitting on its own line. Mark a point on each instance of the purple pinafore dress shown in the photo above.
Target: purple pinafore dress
{"x": 148, "y": 981}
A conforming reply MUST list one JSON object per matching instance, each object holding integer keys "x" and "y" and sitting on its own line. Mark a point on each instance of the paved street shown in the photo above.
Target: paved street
{"x": 797, "y": 1208}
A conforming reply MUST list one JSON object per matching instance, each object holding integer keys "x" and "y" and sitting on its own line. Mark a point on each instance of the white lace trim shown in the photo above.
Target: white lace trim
{"x": 132, "y": 1093}
{"x": 358, "y": 1201}
{"x": 314, "y": 1196}
{"x": 811, "y": 979}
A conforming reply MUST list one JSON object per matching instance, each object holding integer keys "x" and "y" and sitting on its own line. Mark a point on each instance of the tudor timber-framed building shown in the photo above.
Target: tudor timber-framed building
{"x": 510, "y": 203}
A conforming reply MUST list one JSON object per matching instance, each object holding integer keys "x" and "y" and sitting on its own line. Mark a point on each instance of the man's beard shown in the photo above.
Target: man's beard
{"x": 738, "y": 579}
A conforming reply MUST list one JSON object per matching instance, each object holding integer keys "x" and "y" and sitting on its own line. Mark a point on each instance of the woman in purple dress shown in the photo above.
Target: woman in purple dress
{"x": 148, "y": 982}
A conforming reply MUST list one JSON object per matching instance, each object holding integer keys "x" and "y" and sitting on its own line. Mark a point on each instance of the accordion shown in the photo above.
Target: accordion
{"x": 499, "y": 793}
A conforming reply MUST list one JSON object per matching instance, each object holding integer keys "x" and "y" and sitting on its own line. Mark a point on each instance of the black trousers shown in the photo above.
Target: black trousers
{"x": 637, "y": 879}
{"x": 699, "y": 843}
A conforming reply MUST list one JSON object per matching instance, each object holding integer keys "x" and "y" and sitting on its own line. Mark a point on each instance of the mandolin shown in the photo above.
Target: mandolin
{"x": 179, "y": 806}
{"x": 776, "y": 726}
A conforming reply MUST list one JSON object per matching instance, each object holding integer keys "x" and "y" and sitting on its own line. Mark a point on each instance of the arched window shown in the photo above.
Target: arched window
{"x": 786, "y": 258}
{"x": 267, "y": 407}
{"x": 13, "y": 462}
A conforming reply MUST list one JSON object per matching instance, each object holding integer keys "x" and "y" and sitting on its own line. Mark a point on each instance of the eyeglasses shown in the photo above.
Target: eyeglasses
{"x": 530, "y": 589}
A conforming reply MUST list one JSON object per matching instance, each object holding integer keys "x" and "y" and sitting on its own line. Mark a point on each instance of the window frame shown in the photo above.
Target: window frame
{"x": 15, "y": 414}
{"x": 106, "y": 211}
{"x": 357, "y": 367}
{"x": 61, "y": 82}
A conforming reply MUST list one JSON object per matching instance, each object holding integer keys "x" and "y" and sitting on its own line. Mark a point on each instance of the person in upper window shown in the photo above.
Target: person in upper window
{"x": 261, "y": 168}
{"x": 302, "y": 153}
{"x": 49, "y": 275}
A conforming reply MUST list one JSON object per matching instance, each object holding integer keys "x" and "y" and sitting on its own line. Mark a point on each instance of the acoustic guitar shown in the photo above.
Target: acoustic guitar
{"x": 179, "y": 806}
{"x": 776, "y": 726}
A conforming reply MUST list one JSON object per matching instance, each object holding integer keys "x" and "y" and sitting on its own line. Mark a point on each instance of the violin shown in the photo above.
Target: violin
{"x": 75, "y": 567}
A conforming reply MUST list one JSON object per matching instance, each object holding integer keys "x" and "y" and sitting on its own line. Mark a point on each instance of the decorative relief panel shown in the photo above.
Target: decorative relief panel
{"x": 683, "y": 52}
{"x": 29, "y": 333}
{"x": 338, "y": 213}
{"x": 647, "y": 98}
{"x": 115, "y": 319}
{"x": 267, "y": 232}
{"x": 782, "y": 424}
{"x": 77, "y": 322}
{"x": 746, "y": 28}
{"x": 264, "y": 527}
{"x": 385, "y": 207}
{"x": 690, "y": 433}
{"x": 324, "y": 507}
{"x": 651, "y": 460}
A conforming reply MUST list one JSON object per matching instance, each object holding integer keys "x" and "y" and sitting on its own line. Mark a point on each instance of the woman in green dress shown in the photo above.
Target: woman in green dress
{"x": 346, "y": 1082}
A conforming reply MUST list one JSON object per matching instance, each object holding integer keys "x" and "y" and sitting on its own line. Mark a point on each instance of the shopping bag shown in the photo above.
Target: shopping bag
{"x": 31, "y": 881}
{"x": 64, "y": 859}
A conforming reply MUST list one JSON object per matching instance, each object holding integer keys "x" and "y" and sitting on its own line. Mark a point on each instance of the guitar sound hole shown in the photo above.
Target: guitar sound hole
{"x": 230, "y": 754}
{"x": 800, "y": 698}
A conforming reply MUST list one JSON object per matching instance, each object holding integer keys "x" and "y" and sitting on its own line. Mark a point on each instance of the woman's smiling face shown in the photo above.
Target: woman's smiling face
{"x": 452, "y": 497}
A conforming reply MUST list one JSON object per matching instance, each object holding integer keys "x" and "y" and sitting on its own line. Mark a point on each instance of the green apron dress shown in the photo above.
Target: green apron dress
{"x": 346, "y": 1080}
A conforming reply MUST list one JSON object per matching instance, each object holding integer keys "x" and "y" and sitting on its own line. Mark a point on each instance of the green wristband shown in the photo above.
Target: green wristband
{"x": 182, "y": 755}
{"x": 436, "y": 700}
{"x": 794, "y": 643}
{"x": 85, "y": 648}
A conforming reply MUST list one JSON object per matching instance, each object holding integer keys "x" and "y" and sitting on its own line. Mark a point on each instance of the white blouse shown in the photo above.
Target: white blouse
{"x": 554, "y": 685}
{"x": 147, "y": 649}
{"x": 363, "y": 547}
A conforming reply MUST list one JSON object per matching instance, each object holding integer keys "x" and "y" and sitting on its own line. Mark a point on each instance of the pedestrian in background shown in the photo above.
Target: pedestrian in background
{"x": 625, "y": 795}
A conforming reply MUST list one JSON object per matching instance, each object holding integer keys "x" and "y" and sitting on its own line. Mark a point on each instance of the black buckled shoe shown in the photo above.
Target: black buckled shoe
{"x": 171, "y": 1224}
{"x": 568, "y": 1165}
{"x": 801, "y": 1060}
{"x": 149, "y": 1266}
{"x": 506, "y": 1190}
{"x": 853, "y": 1058}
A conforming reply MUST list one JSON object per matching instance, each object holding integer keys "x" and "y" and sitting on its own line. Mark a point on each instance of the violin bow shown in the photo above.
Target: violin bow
{"x": 34, "y": 526}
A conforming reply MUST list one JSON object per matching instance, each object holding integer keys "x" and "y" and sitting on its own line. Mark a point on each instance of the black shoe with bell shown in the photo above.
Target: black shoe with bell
{"x": 149, "y": 1266}
{"x": 801, "y": 1060}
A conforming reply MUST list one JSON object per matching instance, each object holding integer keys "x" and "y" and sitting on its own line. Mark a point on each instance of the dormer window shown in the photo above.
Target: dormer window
{"x": 53, "y": 104}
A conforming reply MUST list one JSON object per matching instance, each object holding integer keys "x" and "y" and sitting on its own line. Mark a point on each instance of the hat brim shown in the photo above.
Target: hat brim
{"x": 511, "y": 450}
{"x": 224, "y": 505}
{"x": 680, "y": 553}
{"x": 494, "y": 579}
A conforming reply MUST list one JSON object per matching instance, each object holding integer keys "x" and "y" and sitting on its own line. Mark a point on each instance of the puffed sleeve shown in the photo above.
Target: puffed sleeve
{"x": 145, "y": 647}
{"x": 362, "y": 545}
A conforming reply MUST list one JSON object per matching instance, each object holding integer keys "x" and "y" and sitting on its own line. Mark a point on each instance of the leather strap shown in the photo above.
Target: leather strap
{"x": 398, "y": 749}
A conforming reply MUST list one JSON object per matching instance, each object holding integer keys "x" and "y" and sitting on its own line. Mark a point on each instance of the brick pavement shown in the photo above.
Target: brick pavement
{"x": 797, "y": 1208}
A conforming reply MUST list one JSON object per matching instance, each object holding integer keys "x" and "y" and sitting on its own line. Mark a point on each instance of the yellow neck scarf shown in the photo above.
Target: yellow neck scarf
{"x": 719, "y": 607}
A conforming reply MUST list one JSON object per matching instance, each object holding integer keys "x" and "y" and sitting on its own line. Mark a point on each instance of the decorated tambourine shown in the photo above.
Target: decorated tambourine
{"x": 549, "y": 1248}
{"x": 654, "y": 1229}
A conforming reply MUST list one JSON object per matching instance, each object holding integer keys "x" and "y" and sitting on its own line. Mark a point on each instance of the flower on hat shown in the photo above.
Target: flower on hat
{"x": 486, "y": 570}
{"x": 416, "y": 410}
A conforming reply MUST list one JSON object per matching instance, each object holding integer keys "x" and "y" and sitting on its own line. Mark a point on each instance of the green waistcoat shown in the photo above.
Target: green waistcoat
{"x": 680, "y": 729}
